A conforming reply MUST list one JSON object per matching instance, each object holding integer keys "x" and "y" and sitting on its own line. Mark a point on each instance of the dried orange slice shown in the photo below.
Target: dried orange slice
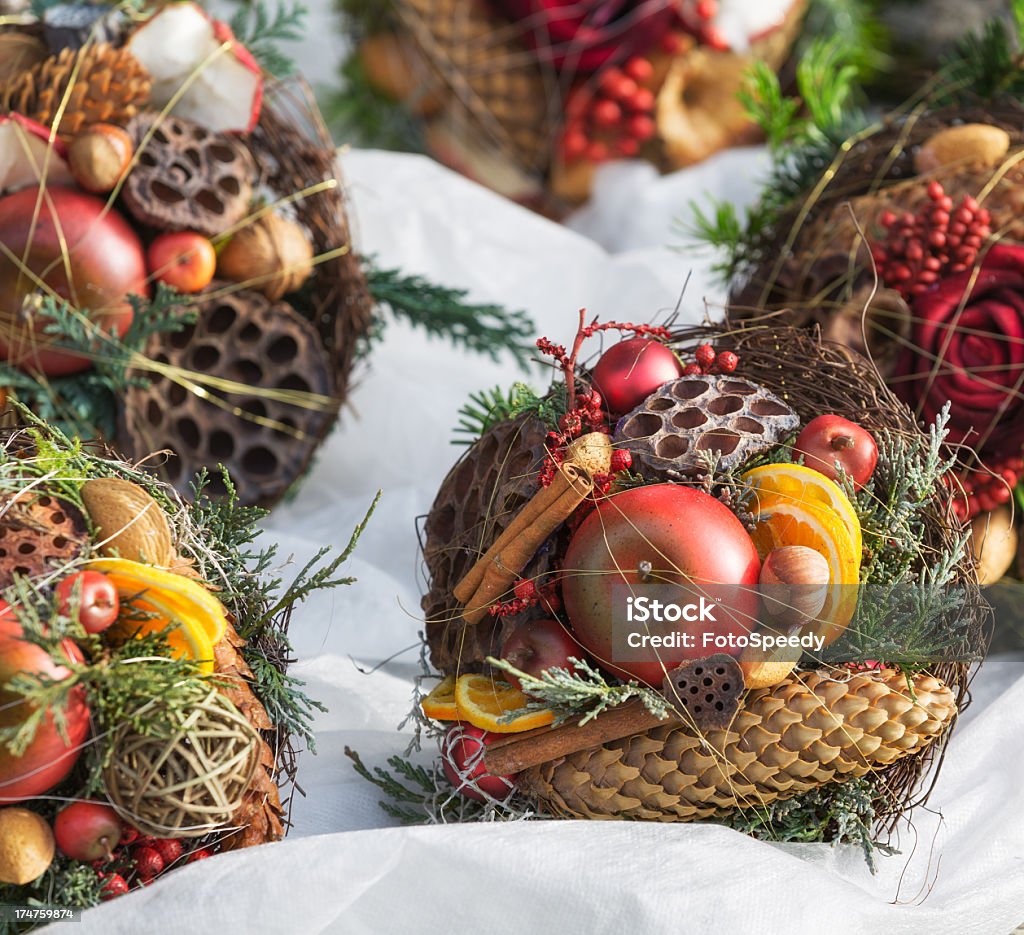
{"x": 486, "y": 702}
{"x": 804, "y": 485}
{"x": 781, "y": 521}
{"x": 440, "y": 703}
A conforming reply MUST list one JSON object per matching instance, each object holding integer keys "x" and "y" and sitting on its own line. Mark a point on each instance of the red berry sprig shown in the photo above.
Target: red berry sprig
{"x": 114, "y": 885}
{"x": 614, "y": 119}
{"x": 528, "y": 595}
{"x": 981, "y": 492}
{"x": 708, "y": 360}
{"x": 921, "y": 248}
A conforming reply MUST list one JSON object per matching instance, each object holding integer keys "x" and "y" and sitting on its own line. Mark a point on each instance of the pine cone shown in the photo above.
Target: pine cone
{"x": 259, "y": 816}
{"x": 486, "y": 72}
{"x": 476, "y": 502}
{"x": 809, "y": 730}
{"x": 107, "y": 85}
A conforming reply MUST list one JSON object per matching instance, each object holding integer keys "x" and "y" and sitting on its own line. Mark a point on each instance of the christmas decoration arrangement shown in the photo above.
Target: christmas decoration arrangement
{"x": 176, "y": 267}
{"x": 901, "y": 240}
{"x": 748, "y": 457}
{"x": 529, "y": 97}
{"x": 148, "y": 719}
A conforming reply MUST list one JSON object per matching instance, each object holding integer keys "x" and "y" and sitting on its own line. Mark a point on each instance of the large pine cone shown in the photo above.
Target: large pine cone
{"x": 110, "y": 86}
{"x": 477, "y": 501}
{"x": 486, "y": 72}
{"x": 810, "y": 730}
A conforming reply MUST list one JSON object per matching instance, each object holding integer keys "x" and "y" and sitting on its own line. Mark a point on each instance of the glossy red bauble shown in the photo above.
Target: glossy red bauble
{"x": 830, "y": 439}
{"x": 93, "y": 595}
{"x": 84, "y": 251}
{"x": 49, "y": 757}
{"x": 628, "y": 372}
{"x": 87, "y": 831}
{"x": 668, "y": 535}
{"x": 539, "y": 645}
{"x": 462, "y": 758}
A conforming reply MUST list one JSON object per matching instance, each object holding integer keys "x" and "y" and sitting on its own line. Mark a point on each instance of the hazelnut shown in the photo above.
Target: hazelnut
{"x": 794, "y": 584}
{"x": 99, "y": 157}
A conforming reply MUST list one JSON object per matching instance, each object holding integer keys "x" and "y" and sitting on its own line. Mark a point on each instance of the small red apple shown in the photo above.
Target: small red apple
{"x": 84, "y": 252}
{"x": 87, "y": 831}
{"x": 93, "y": 595}
{"x": 462, "y": 759}
{"x": 539, "y": 645}
{"x": 628, "y": 372}
{"x": 52, "y": 752}
{"x": 829, "y": 439}
{"x": 182, "y": 259}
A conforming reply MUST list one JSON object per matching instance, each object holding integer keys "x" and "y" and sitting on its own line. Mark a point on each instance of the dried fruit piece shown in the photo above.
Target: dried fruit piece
{"x": 486, "y": 703}
{"x": 27, "y": 156}
{"x": 440, "y": 703}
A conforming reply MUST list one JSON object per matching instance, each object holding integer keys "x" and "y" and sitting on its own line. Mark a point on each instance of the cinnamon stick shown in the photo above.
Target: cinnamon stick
{"x": 517, "y": 752}
{"x": 493, "y": 573}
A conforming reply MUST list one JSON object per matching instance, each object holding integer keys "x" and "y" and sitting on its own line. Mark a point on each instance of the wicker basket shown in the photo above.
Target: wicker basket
{"x": 814, "y": 728}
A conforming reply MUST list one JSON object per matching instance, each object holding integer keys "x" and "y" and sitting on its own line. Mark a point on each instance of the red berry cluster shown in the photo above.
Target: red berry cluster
{"x": 566, "y": 360}
{"x": 920, "y": 248}
{"x": 696, "y": 17}
{"x": 143, "y": 857}
{"x": 983, "y": 492}
{"x": 614, "y": 119}
{"x": 708, "y": 360}
{"x": 528, "y": 595}
{"x": 588, "y": 415}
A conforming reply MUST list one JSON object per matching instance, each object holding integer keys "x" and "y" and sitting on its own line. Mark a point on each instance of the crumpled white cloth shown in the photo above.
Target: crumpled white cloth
{"x": 346, "y": 867}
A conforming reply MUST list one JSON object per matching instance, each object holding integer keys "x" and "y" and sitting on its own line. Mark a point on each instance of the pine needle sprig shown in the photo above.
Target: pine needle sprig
{"x": 261, "y": 31}
{"x": 422, "y": 795}
{"x": 987, "y": 64}
{"x": 839, "y": 812}
{"x": 66, "y": 883}
{"x": 581, "y": 694}
{"x": 443, "y": 312}
{"x": 490, "y": 407}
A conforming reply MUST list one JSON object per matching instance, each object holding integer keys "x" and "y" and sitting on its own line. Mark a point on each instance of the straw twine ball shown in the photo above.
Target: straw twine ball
{"x": 186, "y": 777}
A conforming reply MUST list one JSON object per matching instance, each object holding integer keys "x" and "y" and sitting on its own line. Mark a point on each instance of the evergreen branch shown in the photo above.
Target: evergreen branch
{"x": 987, "y": 64}
{"x": 582, "y": 693}
{"x": 260, "y": 32}
{"x": 491, "y": 407}
{"x": 442, "y": 312}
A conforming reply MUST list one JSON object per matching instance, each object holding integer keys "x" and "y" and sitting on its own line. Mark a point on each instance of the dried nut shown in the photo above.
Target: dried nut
{"x": 99, "y": 157}
{"x": 973, "y": 143}
{"x": 794, "y": 584}
{"x": 994, "y": 540}
{"x": 271, "y": 255}
{"x": 129, "y": 522}
{"x": 593, "y": 452}
{"x": 26, "y": 846}
{"x": 19, "y": 52}
{"x": 763, "y": 670}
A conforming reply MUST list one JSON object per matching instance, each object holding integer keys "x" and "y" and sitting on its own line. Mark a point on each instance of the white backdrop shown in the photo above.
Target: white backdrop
{"x": 345, "y": 867}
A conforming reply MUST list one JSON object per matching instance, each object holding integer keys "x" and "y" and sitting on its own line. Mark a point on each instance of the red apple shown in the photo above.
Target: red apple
{"x": 628, "y": 372}
{"x": 49, "y": 757}
{"x": 182, "y": 259}
{"x": 539, "y": 645}
{"x": 84, "y": 251}
{"x": 92, "y": 597}
{"x": 462, "y": 759}
{"x": 828, "y": 440}
{"x": 664, "y": 534}
{"x": 87, "y": 831}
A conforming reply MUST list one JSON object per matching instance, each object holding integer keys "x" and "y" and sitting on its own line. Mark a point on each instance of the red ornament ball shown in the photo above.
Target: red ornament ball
{"x": 462, "y": 758}
{"x": 628, "y": 372}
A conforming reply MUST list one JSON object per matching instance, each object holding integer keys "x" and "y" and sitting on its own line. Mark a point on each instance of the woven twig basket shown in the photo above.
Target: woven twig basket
{"x": 815, "y": 727}
{"x": 265, "y": 441}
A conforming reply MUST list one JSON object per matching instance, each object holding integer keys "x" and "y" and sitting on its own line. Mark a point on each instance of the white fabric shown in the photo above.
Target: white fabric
{"x": 345, "y": 868}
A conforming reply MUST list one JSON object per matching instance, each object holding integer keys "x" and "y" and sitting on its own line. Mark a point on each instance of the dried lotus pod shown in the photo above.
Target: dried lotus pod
{"x": 673, "y": 426}
{"x": 706, "y": 692}
{"x": 187, "y": 177}
{"x": 36, "y": 533}
{"x": 266, "y": 437}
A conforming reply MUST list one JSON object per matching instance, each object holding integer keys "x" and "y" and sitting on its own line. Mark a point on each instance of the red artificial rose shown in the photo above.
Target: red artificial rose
{"x": 968, "y": 348}
{"x": 585, "y": 35}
